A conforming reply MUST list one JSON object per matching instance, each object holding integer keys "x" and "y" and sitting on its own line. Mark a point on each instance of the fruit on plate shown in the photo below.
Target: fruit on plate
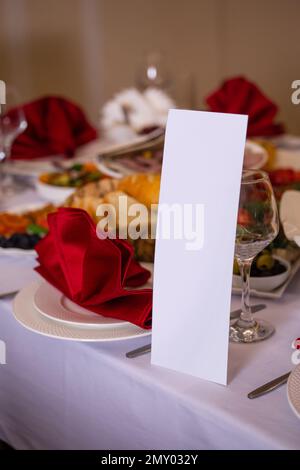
{"x": 13, "y": 223}
{"x": 73, "y": 177}
{"x": 264, "y": 265}
{"x": 283, "y": 179}
{"x": 137, "y": 188}
{"x": 91, "y": 195}
{"x": 143, "y": 187}
{"x": 23, "y": 241}
{"x": 265, "y": 261}
{"x": 24, "y": 230}
{"x": 284, "y": 176}
{"x": 271, "y": 151}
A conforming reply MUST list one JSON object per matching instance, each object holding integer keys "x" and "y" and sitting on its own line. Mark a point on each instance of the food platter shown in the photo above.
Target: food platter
{"x": 22, "y": 211}
{"x": 276, "y": 293}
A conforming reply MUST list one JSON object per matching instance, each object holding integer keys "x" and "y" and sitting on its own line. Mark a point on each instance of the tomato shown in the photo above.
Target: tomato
{"x": 244, "y": 217}
{"x": 282, "y": 176}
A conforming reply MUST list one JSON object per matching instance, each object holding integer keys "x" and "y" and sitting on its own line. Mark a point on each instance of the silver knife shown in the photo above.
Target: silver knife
{"x": 139, "y": 351}
{"x": 147, "y": 348}
{"x": 270, "y": 386}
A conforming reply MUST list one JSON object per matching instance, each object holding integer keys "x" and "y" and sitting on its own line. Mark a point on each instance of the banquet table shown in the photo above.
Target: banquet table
{"x": 59, "y": 394}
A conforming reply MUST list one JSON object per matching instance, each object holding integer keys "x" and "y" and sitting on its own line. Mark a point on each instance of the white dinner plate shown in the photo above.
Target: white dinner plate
{"x": 31, "y": 167}
{"x": 293, "y": 391}
{"x": 17, "y": 252}
{"x": 51, "y": 193}
{"x": 51, "y": 303}
{"x": 255, "y": 155}
{"x": 25, "y": 313}
{"x": 15, "y": 273}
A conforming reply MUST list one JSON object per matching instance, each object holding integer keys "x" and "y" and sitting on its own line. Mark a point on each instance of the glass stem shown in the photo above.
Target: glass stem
{"x": 246, "y": 315}
{"x": 4, "y": 155}
{"x": 7, "y": 150}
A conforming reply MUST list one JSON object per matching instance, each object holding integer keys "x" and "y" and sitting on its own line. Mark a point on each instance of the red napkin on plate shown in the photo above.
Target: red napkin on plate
{"x": 55, "y": 126}
{"x": 239, "y": 96}
{"x": 94, "y": 273}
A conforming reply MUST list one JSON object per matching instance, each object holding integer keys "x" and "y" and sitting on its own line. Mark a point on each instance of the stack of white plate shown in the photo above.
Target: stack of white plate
{"x": 42, "y": 308}
{"x": 293, "y": 390}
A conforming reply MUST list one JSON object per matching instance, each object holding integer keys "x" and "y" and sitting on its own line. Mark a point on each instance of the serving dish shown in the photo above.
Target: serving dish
{"x": 57, "y": 186}
{"x": 266, "y": 283}
{"x": 27, "y": 221}
{"x": 276, "y": 293}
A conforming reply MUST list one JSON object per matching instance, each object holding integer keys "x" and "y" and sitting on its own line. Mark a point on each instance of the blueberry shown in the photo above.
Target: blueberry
{"x": 10, "y": 243}
{"x": 32, "y": 240}
{"x": 3, "y": 242}
{"x": 16, "y": 237}
{"x": 35, "y": 239}
{"x": 24, "y": 241}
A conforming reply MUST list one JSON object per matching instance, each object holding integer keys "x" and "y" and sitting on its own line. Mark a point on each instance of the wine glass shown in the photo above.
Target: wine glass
{"x": 257, "y": 226}
{"x": 153, "y": 72}
{"x": 12, "y": 124}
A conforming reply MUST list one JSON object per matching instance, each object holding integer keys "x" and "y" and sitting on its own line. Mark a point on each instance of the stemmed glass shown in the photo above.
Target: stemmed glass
{"x": 257, "y": 226}
{"x": 12, "y": 123}
{"x": 153, "y": 72}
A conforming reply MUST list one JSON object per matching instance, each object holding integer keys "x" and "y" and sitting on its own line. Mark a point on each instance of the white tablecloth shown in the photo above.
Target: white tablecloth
{"x": 68, "y": 395}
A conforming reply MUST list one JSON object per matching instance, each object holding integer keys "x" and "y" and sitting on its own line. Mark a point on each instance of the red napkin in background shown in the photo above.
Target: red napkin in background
{"x": 239, "y": 96}
{"x": 55, "y": 126}
{"x": 94, "y": 272}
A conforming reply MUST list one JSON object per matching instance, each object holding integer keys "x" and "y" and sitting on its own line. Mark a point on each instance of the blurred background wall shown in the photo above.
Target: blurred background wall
{"x": 89, "y": 49}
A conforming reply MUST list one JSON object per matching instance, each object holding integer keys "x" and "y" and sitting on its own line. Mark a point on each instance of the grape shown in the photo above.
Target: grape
{"x": 23, "y": 241}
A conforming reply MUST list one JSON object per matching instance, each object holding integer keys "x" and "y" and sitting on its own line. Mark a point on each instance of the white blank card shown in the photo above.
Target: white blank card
{"x": 203, "y": 159}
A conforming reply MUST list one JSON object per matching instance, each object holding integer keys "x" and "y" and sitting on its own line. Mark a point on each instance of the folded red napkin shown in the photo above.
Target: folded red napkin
{"x": 239, "y": 96}
{"x": 55, "y": 126}
{"x": 94, "y": 273}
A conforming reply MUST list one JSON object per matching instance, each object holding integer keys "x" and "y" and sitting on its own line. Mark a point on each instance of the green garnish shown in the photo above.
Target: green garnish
{"x": 35, "y": 229}
{"x": 94, "y": 176}
{"x": 77, "y": 167}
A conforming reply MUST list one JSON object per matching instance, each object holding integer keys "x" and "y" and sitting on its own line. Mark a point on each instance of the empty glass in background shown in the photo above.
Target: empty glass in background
{"x": 153, "y": 72}
{"x": 257, "y": 226}
{"x": 11, "y": 126}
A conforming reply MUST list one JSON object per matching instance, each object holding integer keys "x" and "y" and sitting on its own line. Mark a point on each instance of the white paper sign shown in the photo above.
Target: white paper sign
{"x": 203, "y": 158}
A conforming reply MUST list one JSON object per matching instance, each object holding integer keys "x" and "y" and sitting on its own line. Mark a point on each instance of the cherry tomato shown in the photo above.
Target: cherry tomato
{"x": 282, "y": 176}
{"x": 244, "y": 217}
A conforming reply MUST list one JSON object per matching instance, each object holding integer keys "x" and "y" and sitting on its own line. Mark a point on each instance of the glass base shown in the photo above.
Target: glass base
{"x": 259, "y": 330}
{"x": 10, "y": 185}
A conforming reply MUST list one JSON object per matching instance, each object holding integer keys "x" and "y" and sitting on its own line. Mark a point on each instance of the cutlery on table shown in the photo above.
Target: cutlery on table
{"x": 139, "y": 351}
{"x": 269, "y": 386}
{"x": 4, "y": 296}
{"x": 147, "y": 348}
